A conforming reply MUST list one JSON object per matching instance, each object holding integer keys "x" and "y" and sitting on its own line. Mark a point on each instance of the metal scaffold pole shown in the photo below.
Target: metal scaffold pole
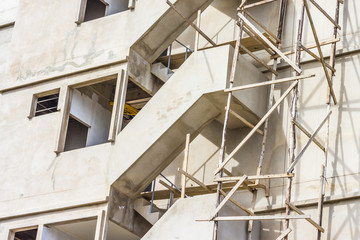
{"x": 227, "y": 113}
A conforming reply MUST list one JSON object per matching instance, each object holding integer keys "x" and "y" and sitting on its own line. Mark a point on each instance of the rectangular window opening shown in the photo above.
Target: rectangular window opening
{"x": 47, "y": 104}
{"x": 94, "y": 9}
{"x": 26, "y": 235}
{"x": 90, "y": 115}
{"x": 44, "y": 103}
{"x": 76, "y": 135}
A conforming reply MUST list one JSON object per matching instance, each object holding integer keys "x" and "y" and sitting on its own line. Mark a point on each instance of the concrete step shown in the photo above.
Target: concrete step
{"x": 191, "y": 99}
{"x": 142, "y": 206}
{"x": 160, "y": 71}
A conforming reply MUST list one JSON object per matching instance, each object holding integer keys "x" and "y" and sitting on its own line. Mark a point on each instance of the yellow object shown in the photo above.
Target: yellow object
{"x": 129, "y": 110}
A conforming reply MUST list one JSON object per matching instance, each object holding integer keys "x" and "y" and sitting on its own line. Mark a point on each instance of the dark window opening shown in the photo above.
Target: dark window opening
{"x": 76, "y": 135}
{"x": 47, "y": 104}
{"x": 99, "y": 8}
{"x": 94, "y": 9}
{"x": 26, "y": 235}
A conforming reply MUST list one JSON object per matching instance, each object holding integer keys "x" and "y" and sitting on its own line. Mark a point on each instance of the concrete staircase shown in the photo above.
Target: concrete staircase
{"x": 160, "y": 71}
{"x": 192, "y": 98}
{"x": 156, "y": 39}
{"x": 143, "y": 207}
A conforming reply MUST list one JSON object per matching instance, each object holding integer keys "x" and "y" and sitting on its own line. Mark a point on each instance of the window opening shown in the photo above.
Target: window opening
{"x": 94, "y": 9}
{"x": 77, "y": 133}
{"x": 26, "y": 235}
{"x": 47, "y": 104}
{"x": 90, "y": 115}
{"x": 99, "y": 8}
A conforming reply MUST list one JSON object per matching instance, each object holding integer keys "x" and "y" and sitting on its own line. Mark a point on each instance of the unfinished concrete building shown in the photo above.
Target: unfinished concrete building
{"x": 186, "y": 119}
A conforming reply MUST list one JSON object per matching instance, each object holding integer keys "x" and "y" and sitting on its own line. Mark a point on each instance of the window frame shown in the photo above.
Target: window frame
{"x": 116, "y": 115}
{"x": 35, "y": 98}
{"x": 82, "y": 9}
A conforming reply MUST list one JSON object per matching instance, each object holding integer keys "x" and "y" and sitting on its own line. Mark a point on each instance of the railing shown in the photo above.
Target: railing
{"x": 171, "y": 193}
{"x": 186, "y": 54}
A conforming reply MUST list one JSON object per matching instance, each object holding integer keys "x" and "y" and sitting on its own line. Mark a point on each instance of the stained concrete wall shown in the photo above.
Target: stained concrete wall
{"x": 5, "y": 41}
{"x": 90, "y": 111}
{"x": 62, "y": 46}
{"x": 343, "y": 168}
{"x": 52, "y": 178}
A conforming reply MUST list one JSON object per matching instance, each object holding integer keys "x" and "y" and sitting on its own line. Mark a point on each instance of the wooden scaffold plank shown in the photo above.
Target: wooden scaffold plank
{"x": 259, "y": 218}
{"x": 256, "y": 177}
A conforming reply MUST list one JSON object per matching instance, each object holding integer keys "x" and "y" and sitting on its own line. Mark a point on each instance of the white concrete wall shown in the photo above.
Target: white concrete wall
{"x": 55, "y": 234}
{"x": 90, "y": 111}
{"x": 5, "y": 41}
{"x": 8, "y": 11}
{"x": 62, "y": 46}
{"x": 39, "y": 176}
{"x": 28, "y": 153}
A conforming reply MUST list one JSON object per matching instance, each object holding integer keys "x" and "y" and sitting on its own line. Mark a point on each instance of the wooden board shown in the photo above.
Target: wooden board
{"x": 197, "y": 190}
{"x": 178, "y": 59}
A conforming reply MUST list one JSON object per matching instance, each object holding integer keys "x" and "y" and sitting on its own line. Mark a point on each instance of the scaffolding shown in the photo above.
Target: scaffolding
{"x": 226, "y": 186}
{"x": 329, "y": 71}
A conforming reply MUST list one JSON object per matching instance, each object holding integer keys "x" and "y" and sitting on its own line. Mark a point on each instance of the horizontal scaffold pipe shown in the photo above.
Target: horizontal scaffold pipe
{"x": 255, "y": 177}
{"x": 282, "y": 80}
{"x": 248, "y": 218}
